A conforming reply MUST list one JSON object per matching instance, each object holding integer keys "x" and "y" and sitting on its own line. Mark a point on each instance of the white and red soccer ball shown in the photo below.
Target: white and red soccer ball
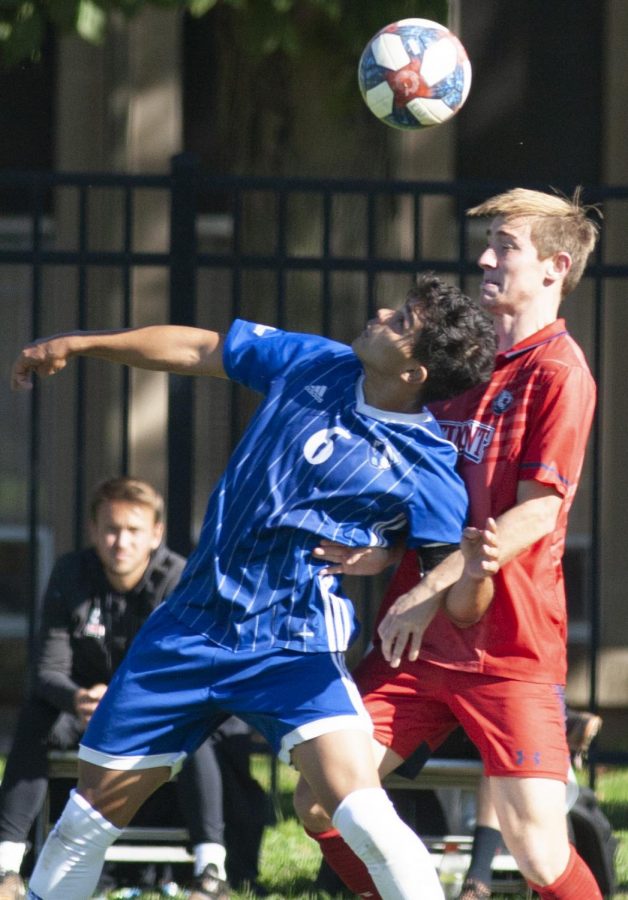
{"x": 414, "y": 73}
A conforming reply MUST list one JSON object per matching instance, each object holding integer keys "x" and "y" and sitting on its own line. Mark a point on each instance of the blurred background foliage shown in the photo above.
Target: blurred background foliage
{"x": 272, "y": 26}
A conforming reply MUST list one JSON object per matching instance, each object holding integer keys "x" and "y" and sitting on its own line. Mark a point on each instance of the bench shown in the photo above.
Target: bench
{"x": 135, "y": 844}
{"x": 464, "y": 774}
{"x": 460, "y": 774}
{"x": 140, "y": 844}
{"x": 170, "y": 844}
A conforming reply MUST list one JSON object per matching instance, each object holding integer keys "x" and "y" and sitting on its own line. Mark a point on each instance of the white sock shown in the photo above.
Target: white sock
{"x": 11, "y": 855}
{"x": 71, "y": 860}
{"x": 210, "y": 854}
{"x": 397, "y": 860}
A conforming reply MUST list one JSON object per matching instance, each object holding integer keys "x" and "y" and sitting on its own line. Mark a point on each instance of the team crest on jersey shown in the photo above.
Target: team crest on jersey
{"x": 471, "y": 437}
{"x": 502, "y": 402}
{"x": 94, "y": 626}
{"x": 317, "y": 391}
{"x": 382, "y": 455}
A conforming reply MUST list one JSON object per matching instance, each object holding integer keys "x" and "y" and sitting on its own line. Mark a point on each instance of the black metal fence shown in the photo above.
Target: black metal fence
{"x": 324, "y": 253}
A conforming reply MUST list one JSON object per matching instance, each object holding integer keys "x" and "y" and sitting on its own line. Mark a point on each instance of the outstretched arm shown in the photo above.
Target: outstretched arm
{"x": 166, "y": 348}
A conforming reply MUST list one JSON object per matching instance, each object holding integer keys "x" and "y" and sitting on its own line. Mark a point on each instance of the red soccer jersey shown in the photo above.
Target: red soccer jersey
{"x": 531, "y": 423}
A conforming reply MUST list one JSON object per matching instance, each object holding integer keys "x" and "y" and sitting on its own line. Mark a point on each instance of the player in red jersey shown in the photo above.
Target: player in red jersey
{"x": 499, "y": 670}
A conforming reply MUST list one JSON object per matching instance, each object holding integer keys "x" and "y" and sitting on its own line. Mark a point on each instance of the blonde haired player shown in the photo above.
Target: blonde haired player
{"x": 499, "y": 670}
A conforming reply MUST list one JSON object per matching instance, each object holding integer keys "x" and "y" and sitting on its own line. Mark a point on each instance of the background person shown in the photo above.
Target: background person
{"x": 95, "y": 603}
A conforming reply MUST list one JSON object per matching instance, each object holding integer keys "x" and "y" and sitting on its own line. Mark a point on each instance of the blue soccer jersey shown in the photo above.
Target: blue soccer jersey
{"x": 315, "y": 462}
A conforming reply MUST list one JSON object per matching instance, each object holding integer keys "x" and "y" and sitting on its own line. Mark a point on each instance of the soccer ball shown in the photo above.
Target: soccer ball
{"x": 414, "y": 73}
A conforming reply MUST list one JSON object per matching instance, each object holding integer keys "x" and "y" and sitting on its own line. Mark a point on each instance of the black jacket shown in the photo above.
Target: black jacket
{"x": 87, "y": 627}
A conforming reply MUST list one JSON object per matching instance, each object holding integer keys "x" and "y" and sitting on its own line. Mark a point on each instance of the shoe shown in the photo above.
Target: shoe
{"x": 582, "y": 727}
{"x": 11, "y": 886}
{"x": 473, "y": 889}
{"x": 209, "y": 886}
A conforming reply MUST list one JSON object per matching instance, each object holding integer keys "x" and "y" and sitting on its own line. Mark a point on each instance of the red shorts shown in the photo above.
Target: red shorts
{"x": 518, "y": 727}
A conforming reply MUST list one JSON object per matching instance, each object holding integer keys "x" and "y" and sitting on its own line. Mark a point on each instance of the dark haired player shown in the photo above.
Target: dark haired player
{"x": 341, "y": 448}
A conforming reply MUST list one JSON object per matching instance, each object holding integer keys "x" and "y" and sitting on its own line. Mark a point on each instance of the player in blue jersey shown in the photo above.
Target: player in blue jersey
{"x": 341, "y": 449}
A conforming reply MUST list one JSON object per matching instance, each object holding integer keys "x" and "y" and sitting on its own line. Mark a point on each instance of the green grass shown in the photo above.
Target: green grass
{"x": 611, "y": 789}
{"x": 290, "y": 860}
{"x": 612, "y": 792}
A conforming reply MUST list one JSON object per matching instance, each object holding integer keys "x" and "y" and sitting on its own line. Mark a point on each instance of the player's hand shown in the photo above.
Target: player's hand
{"x": 480, "y": 549}
{"x": 354, "y": 560}
{"x": 87, "y": 699}
{"x": 44, "y": 358}
{"x": 402, "y": 628}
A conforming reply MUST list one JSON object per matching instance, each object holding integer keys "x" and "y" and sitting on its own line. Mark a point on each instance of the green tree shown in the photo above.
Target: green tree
{"x": 277, "y": 25}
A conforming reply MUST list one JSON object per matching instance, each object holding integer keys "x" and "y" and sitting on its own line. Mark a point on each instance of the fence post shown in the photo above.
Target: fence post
{"x": 183, "y": 249}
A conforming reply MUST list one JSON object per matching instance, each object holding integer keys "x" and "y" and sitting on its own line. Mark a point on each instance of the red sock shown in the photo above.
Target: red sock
{"x": 576, "y": 883}
{"x": 341, "y": 858}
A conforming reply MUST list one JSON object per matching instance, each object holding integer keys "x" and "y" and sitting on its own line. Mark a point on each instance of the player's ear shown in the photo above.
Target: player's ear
{"x": 158, "y": 534}
{"x": 559, "y": 264}
{"x": 415, "y": 376}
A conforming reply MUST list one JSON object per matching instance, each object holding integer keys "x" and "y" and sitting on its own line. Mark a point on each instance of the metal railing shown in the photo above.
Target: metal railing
{"x": 260, "y": 240}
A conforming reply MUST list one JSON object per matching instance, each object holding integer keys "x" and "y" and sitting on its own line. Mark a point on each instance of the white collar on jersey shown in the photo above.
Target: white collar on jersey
{"x": 385, "y": 415}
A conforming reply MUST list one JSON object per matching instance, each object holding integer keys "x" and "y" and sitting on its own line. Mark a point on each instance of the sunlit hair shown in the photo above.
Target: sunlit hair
{"x": 456, "y": 340}
{"x": 129, "y": 490}
{"x": 556, "y": 224}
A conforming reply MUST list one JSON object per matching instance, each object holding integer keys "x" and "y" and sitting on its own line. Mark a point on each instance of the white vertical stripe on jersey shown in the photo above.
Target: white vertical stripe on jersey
{"x": 337, "y": 619}
{"x": 352, "y": 688}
